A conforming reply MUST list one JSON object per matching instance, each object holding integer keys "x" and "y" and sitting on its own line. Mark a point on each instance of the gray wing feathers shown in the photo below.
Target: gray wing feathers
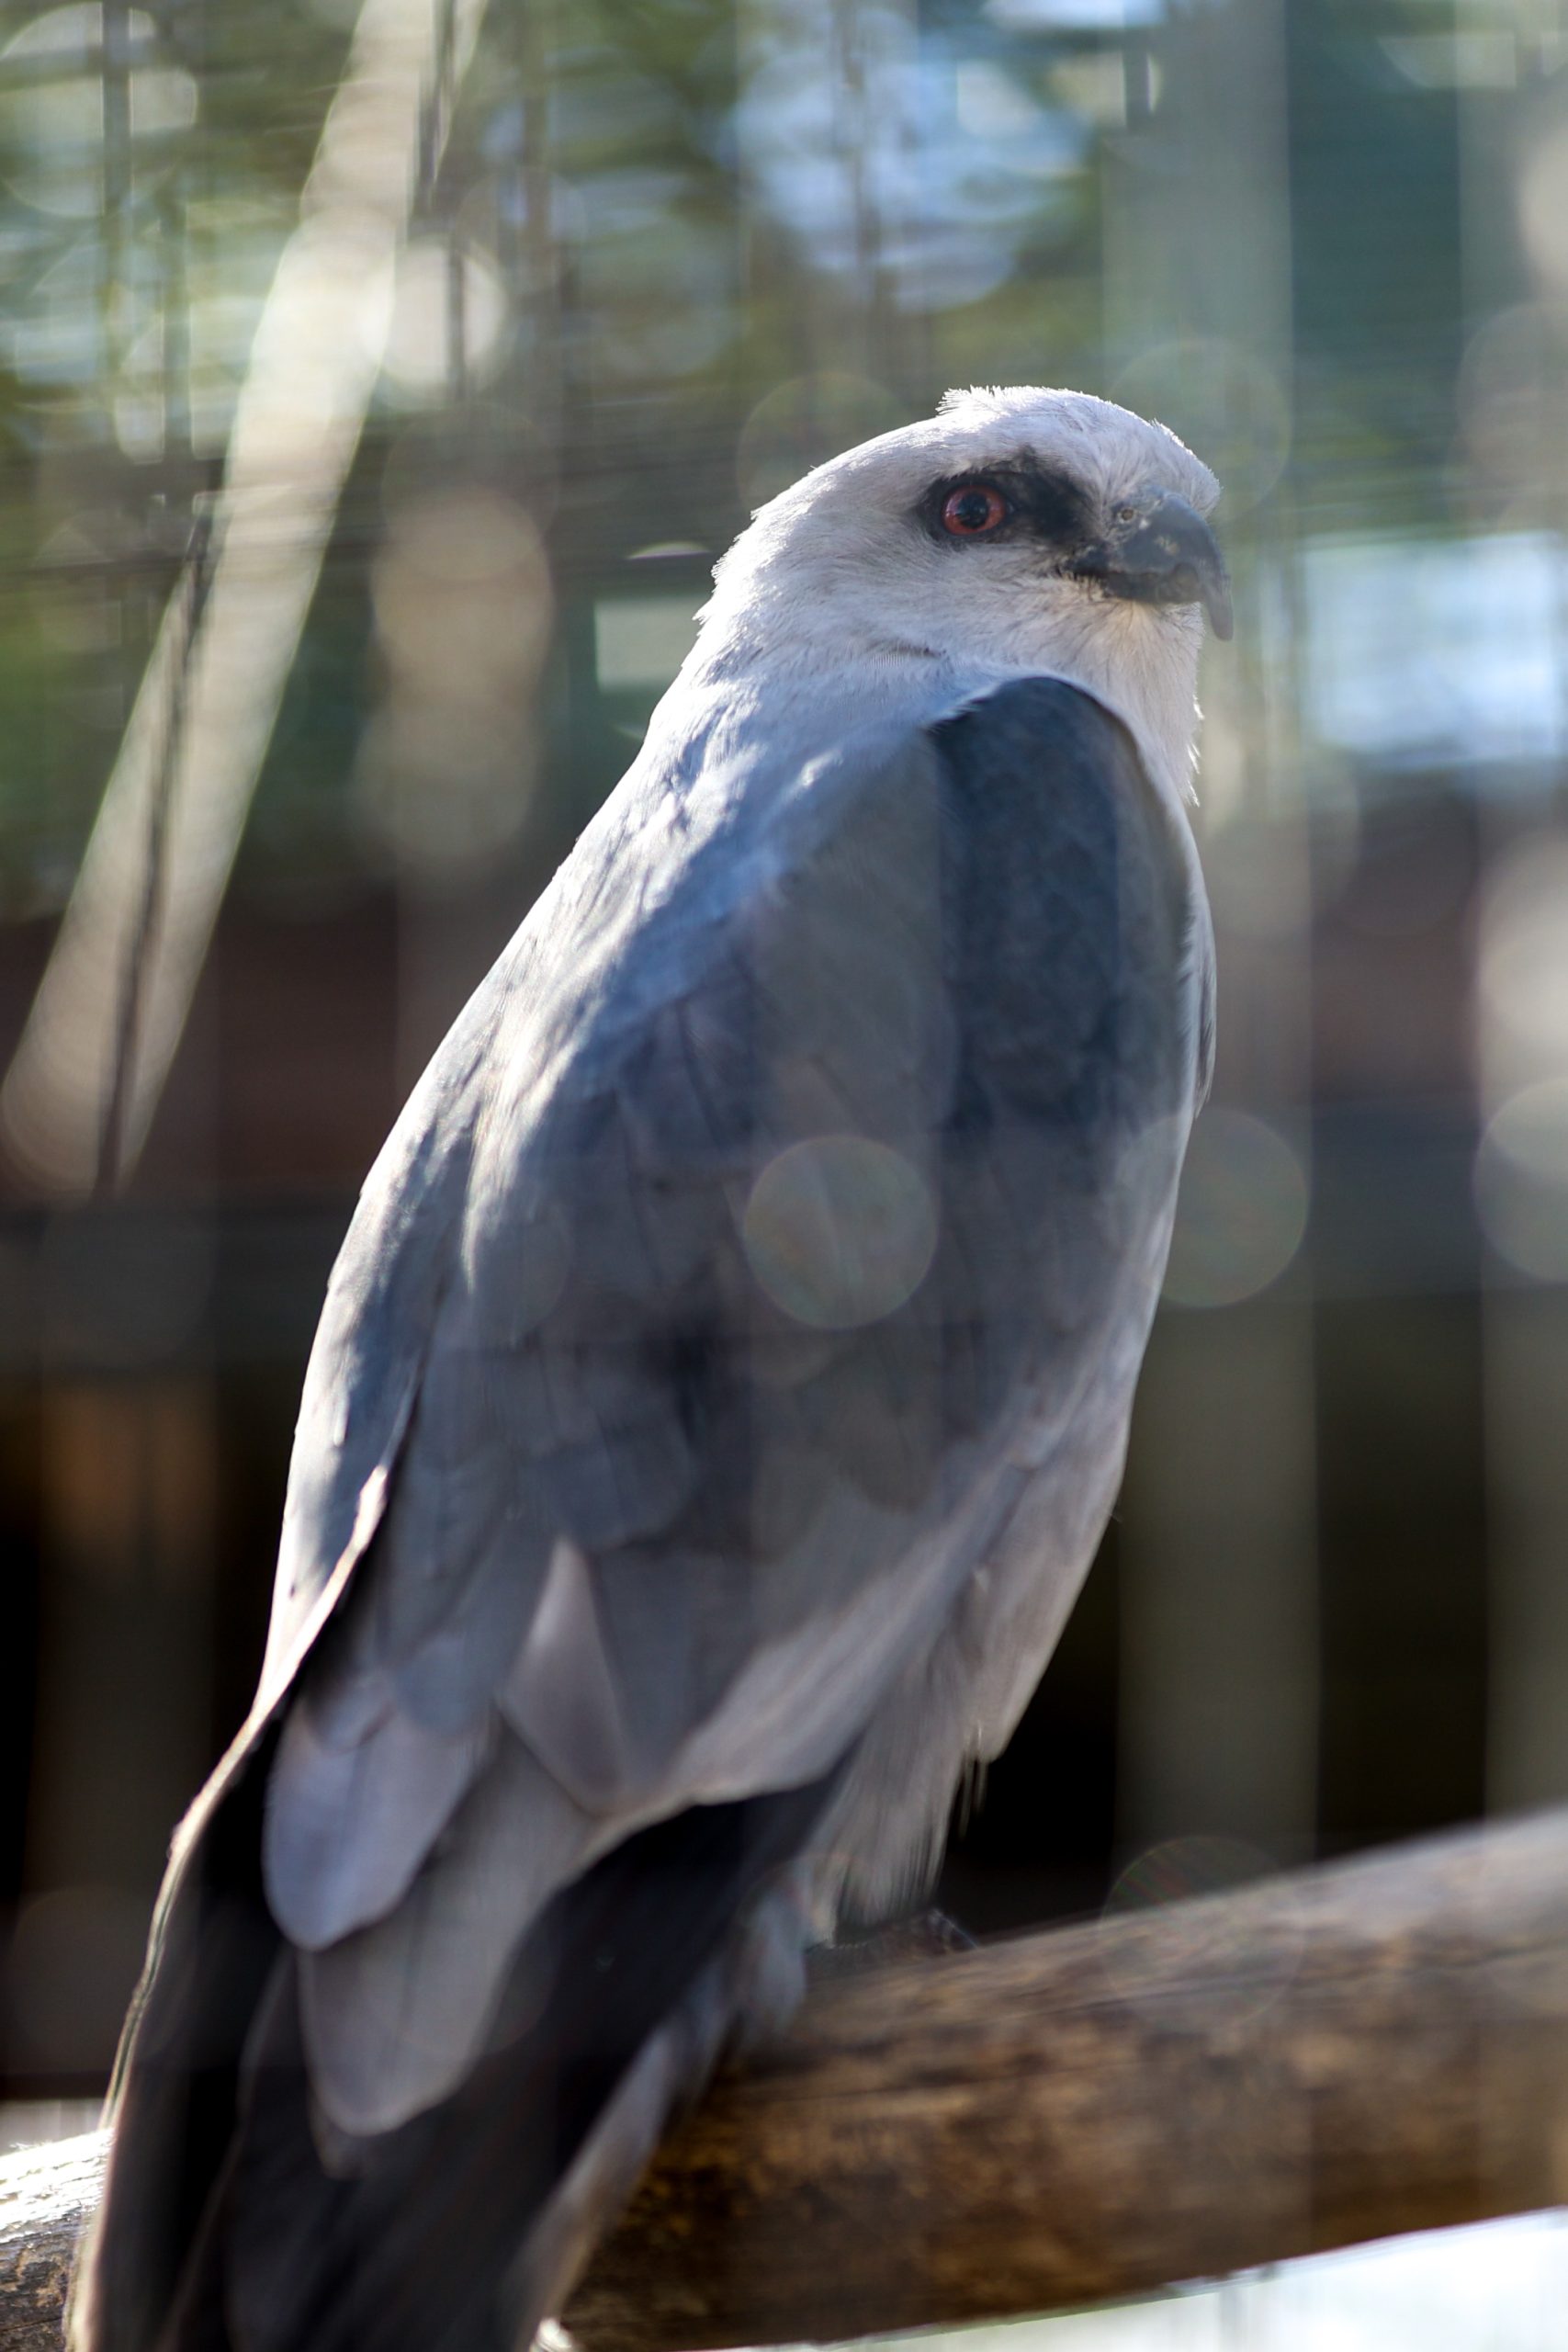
{"x": 561, "y": 1691}
{"x": 394, "y": 2015}
{"x": 666, "y": 1521}
{"x": 347, "y": 1824}
{"x": 364, "y": 1368}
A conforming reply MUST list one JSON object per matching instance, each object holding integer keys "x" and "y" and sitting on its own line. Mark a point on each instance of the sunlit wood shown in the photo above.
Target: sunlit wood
{"x": 1360, "y": 2050}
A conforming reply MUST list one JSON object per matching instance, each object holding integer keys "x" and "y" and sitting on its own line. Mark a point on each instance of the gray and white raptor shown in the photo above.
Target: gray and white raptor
{"x": 717, "y": 1403}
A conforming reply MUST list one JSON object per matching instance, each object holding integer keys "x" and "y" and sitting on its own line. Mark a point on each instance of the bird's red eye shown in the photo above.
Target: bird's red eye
{"x": 974, "y": 509}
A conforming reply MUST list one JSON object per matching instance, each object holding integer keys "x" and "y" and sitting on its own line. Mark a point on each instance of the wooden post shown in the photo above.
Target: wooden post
{"x": 1376, "y": 2046}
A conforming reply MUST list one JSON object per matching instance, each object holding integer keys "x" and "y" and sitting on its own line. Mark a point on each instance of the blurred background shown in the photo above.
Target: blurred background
{"x": 376, "y": 387}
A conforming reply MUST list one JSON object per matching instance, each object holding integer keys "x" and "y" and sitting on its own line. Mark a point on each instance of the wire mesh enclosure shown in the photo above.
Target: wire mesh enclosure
{"x": 377, "y": 388}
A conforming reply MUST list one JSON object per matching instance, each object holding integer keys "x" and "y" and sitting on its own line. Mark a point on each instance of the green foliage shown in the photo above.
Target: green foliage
{"x": 671, "y": 210}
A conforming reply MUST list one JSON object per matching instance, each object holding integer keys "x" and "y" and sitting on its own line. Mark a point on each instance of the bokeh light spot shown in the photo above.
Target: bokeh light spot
{"x": 463, "y": 604}
{"x": 1179, "y": 1868}
{"x": 1544, "y": 208}
{"x": 839, "y": 1231}
{"x": 1224, "y": 399}
{"x": 1205, "y": 1964}
{"x": 1242, "y": 1212}
{"x": 1521, "y": 1181}
{"x": 1513, "y": 392}
{"x": 462, "y": 592}
{"x": 1075, "y": 15}
{"x": 1523, "y": 967}
{"x": 51, "y": 123}
{"x": 439, "y": 301}
{"x": 802, "y": 423}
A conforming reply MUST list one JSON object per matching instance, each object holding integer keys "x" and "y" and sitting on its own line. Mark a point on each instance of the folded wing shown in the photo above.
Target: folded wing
{"x": 696, "y": 1323}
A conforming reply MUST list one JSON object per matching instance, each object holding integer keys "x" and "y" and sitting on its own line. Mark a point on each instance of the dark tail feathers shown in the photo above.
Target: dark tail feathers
{"x": 222, "y": 2231}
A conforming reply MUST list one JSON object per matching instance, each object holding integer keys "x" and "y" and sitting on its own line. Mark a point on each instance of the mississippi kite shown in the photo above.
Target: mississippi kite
{"x": 717, "y": 1403}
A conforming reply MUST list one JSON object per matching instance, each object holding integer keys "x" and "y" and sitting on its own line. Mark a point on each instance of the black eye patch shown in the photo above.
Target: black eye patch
{"x": 1046, "y": 505}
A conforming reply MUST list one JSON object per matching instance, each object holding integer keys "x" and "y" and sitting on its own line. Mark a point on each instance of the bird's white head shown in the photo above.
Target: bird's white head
{"x": 1016, "y": 531}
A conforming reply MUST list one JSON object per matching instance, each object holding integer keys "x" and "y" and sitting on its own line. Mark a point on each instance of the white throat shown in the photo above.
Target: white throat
{"x": 819, "y": 662}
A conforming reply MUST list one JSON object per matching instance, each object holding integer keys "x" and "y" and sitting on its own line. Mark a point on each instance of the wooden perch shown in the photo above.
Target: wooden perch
{"x": 1367, "y": 2048}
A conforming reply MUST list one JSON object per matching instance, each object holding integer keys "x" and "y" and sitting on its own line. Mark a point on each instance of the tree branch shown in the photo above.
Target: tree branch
{"x": 193, "y": 749}
{"x": 1362, "y": 2049}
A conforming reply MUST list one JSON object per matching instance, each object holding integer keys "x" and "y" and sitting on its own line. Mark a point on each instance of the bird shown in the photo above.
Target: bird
{"x": 717, "y": 1403}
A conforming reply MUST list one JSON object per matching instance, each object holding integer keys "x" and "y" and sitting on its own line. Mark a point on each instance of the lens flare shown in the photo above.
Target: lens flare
{"x": 839, "y": 1231}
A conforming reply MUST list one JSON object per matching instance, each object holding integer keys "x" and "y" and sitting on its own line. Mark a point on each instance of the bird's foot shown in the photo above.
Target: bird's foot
{"x": 929, "y": 1935}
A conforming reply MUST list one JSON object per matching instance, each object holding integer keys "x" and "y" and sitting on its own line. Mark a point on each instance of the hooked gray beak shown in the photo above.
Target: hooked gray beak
{"x": 1164, "y": 554}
